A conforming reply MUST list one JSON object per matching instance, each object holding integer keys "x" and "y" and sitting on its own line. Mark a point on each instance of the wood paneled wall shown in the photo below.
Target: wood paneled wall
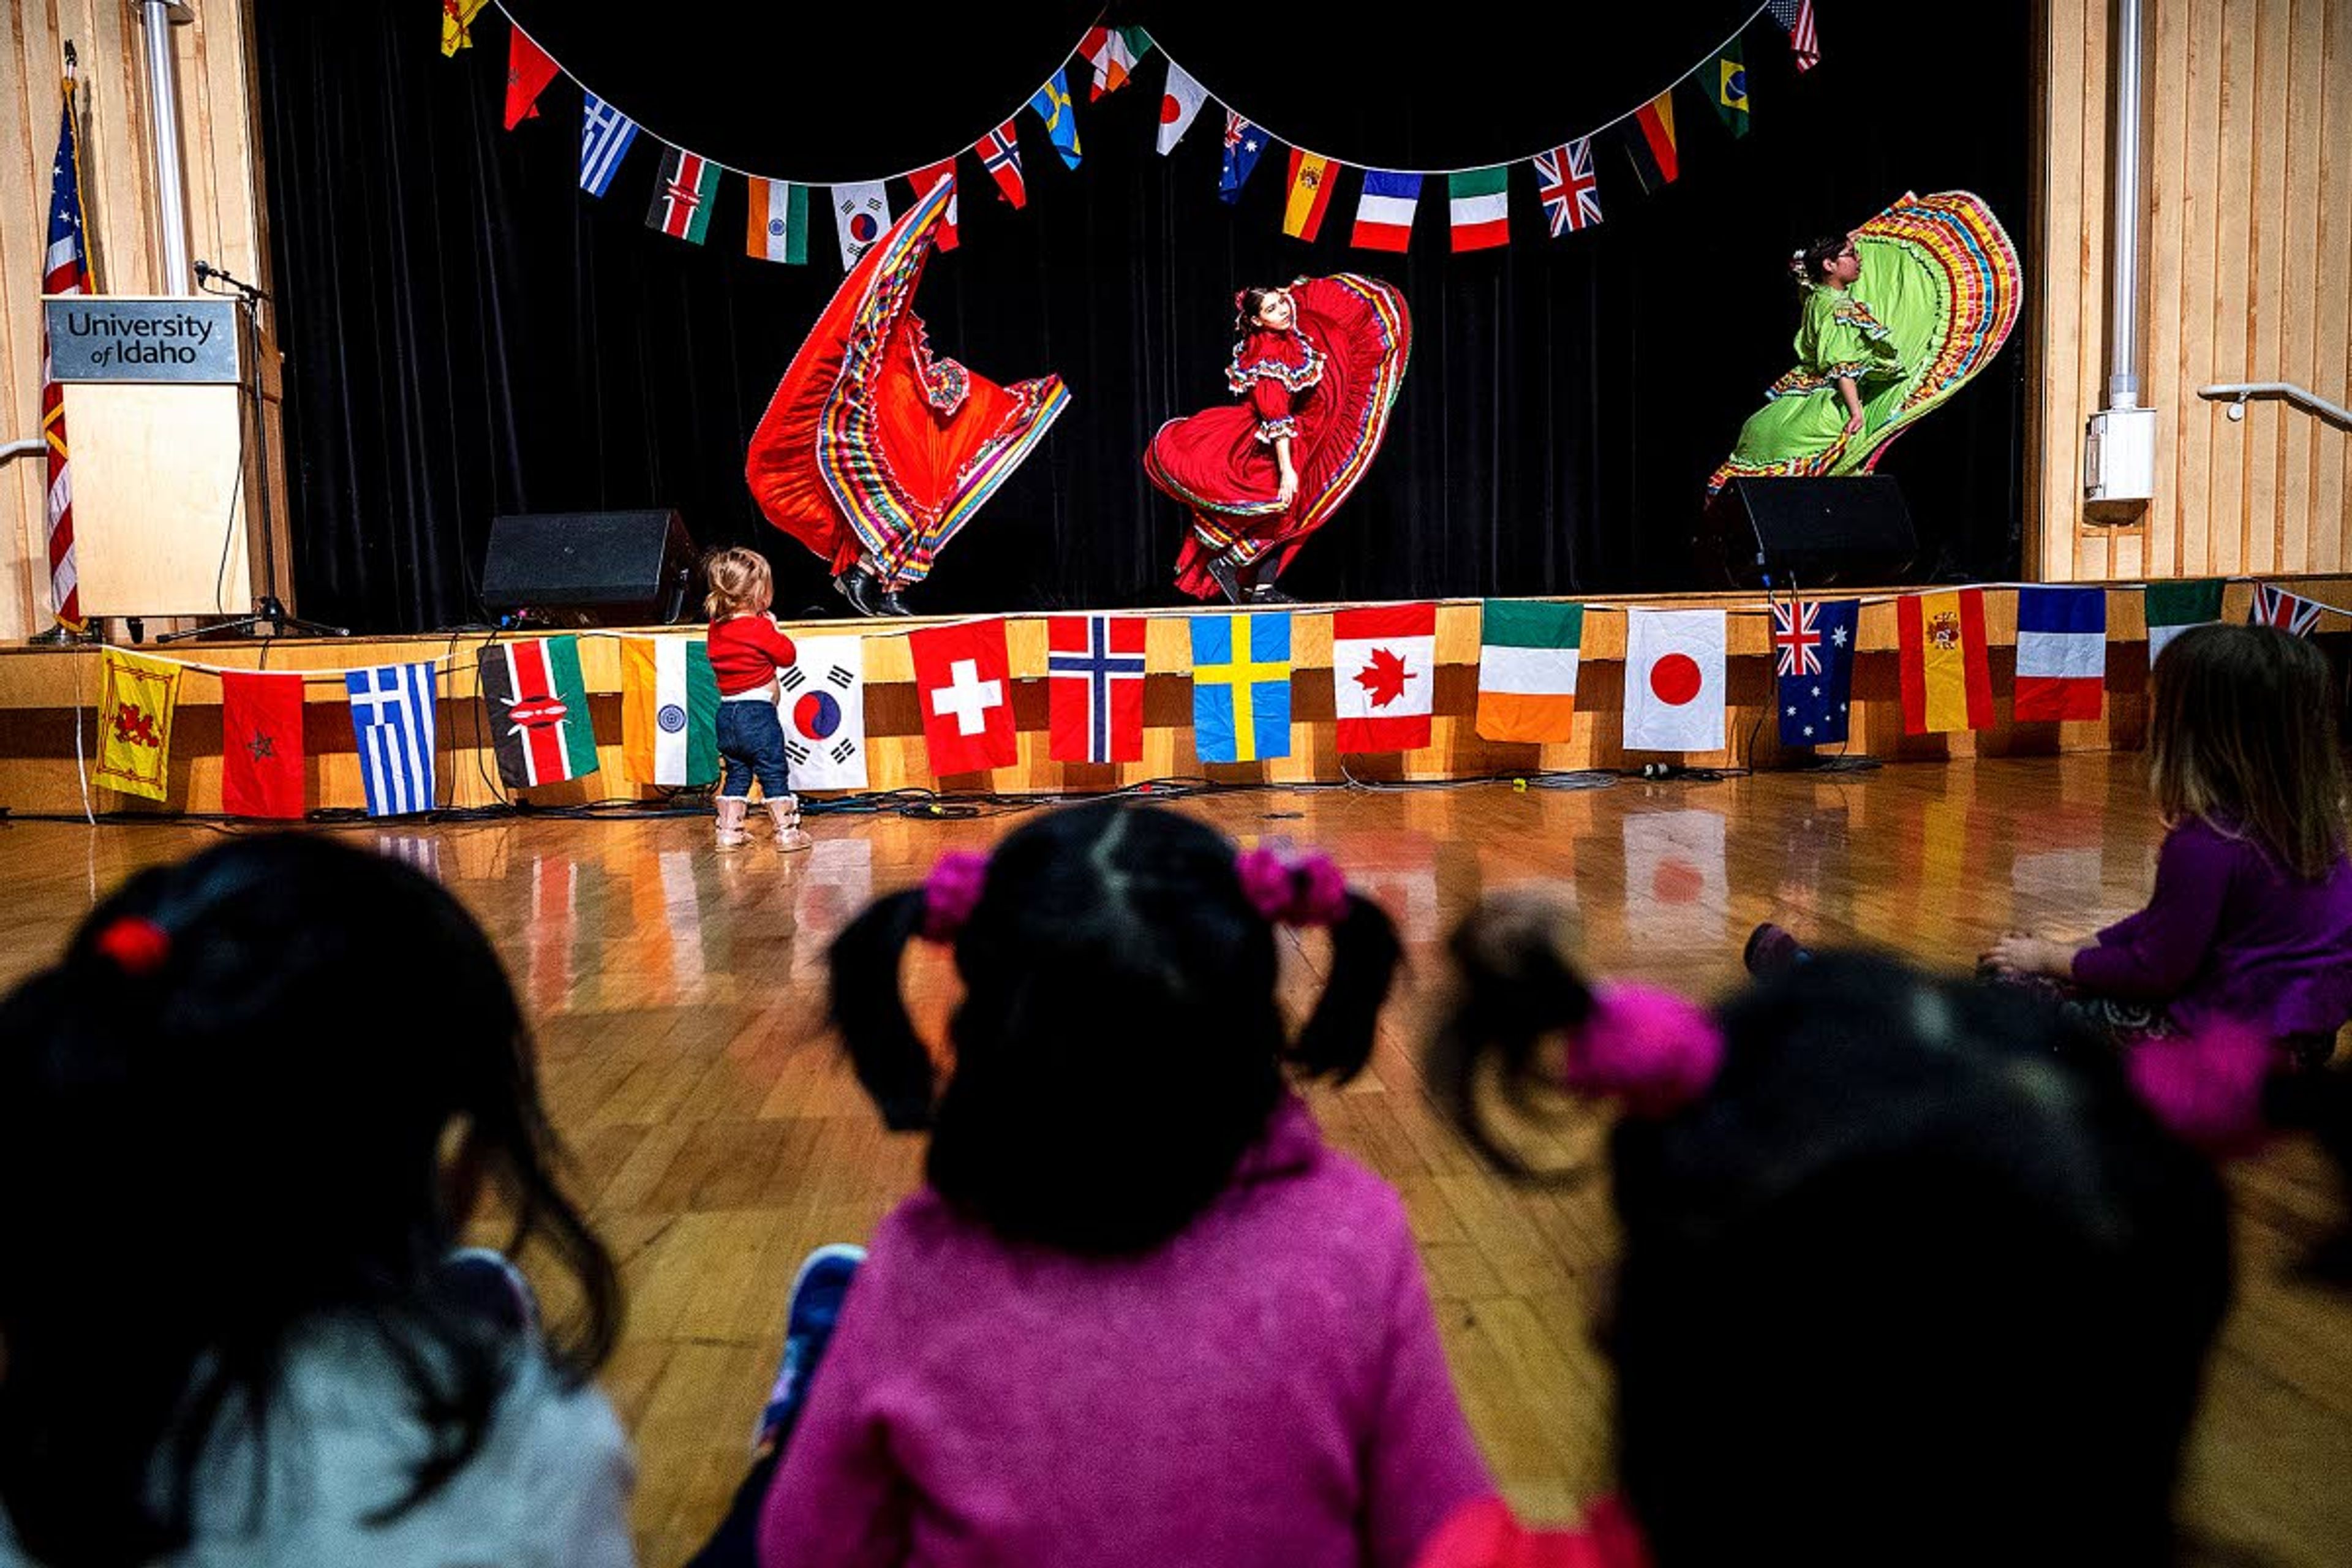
{"x": 222, "y": 159}
{"x": 2246, "y": 248}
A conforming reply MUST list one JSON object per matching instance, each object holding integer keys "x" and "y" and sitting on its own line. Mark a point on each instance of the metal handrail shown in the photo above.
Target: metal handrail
{"x": 25, "y": 449}
{"x": 2236, "y": 392}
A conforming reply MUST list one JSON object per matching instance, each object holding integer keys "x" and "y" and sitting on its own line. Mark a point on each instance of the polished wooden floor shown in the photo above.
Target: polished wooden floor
{"x": 718, "y": 1135}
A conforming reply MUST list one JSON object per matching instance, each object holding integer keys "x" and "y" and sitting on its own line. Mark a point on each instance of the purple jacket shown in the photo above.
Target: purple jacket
{"x": 1267, "y": 1388}
{"x": 2227, "y": 933}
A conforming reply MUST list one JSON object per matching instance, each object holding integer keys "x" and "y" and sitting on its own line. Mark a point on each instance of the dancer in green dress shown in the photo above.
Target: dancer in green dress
{"x": 1898, "y": 316}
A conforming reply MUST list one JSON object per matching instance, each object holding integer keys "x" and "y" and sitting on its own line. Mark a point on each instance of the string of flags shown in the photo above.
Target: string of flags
{"x": 535, "y": 701}
{"x": 1568, "y": 175}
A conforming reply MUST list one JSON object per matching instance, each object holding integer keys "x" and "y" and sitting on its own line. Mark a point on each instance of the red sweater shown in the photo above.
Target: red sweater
{"x": 746, "y": 651}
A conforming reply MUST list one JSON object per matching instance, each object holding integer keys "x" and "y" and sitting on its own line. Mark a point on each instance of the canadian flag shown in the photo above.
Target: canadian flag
{"x": 1384, "y": 665}
{"x": 1674, "y": 681}
{"x": 963, "y": 680}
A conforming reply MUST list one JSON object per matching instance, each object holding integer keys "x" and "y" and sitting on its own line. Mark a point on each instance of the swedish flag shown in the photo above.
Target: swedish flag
{"x": 1731, "y": 91}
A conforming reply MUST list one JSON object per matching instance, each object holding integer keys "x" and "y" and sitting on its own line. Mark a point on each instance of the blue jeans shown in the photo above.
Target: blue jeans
{"x": 751, "y": 743}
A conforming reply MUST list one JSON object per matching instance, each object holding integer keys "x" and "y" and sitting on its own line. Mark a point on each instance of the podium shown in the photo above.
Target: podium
{"x": 167, "y": 439}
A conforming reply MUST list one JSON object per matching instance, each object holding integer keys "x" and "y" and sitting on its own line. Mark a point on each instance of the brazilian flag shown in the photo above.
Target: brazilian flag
{"x": 1731, "y": 90}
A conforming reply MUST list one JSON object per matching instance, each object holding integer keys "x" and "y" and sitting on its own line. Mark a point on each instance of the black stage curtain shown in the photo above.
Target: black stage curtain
{"x": 467, "y": 334}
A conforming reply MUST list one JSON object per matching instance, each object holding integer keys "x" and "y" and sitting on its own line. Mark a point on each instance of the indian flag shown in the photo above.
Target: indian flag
{"x": 669, "y": 712}
{"x": 1527, "y": 670}
{"x": 1481, "y": 209}
{"x": 2174, "y": 607}
{"x": 777, "y": 229}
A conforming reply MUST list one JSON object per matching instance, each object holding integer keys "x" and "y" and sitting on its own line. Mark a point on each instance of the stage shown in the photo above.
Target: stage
{"x": 49, "y": 697}
{"x": 675, "y": 992}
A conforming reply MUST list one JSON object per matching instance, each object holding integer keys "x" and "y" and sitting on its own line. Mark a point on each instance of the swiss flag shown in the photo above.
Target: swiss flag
{"x": 1384, "y": 665}
{"x": 963, "y": 680}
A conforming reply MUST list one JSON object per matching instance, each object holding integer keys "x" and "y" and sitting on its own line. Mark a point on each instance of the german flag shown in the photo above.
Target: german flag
{"x": 1649, "y": 143}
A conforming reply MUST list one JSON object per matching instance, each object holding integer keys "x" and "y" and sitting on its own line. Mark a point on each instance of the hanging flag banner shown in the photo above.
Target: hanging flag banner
{"x": 1093, "y": 681}
{"x": 999, "y": 154}
{"x": 2174, "y": 607}
{"x": 1052, "y": 104}
{"x": 604, "y": 137}
{"x": 1528, "y": 655}
{"x": 457, "y": 25}
{"x": 965, "y": 684}
{"x": 538, "y": 708}
{"x": 682, "y": 194}
{"x": 861, "y": 214}
{"x": 1730, "y": 95}
{"x": 943, "y": 233}
{"x": 1244, "y": 142}
{"x": 1946, "y": 680}
{"x": 1310, "y": 194}
{"x": 529, "y": 70}
{"x": 1385, "y": 210}
{"x": 261, "y": 744}
{"x": 822, "y": 701}
{"x": 1796, "y": 19}
{"x": 1180, "y": 104}
{"x": 777, "y": 227}
{"x": 392, "y": 720}
{"x": 669, "y": 712}
{"x": 2275, "y": 606}
{"x": 1241, "y": 687}
{"x": 1383, "y": 677}
{"x": 1481, "y": 209}
{"x": 2062, "y": 654}
{"x": 1815, "y": 669}
{"x": 1650, "y": 144}
{"x": 1674, "y": 681}
{"x": 137, "y": 699}
{"x": 1113, "y": 52}
{"x": 1571, "y": 196}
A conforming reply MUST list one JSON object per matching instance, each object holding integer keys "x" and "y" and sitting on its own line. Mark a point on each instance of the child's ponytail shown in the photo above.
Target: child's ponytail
{"x": 1515, "y": 985}
{"x": 890, "y": 1057}
{"x": 1336, "y": 1041}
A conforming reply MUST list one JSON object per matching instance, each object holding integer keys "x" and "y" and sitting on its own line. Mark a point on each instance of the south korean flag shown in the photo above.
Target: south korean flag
{"x": 822, "y": 702}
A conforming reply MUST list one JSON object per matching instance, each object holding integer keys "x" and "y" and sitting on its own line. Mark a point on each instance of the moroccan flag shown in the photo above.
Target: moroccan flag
{"x": 261, "y": 744}
{"x": 1947, "y": 681}
{"x": 1384, "y": 212}
{"x": 999, "y": 154}
{"x": 529, "y": 70}
{"x": 538, "y": 708}
{"x": 1649, "y": 143}
{"x": 943, "y": 233}
{"x": 1244, "y": 142}
{"x": 1674, "y": 681}
{"x": 1179, "y": 101}
{"x": 1813, "y": 670}
{"x": 682, "y": 197}
{"x": 1053, "y": 105}
{"x": 1731, "y": 90}
{"x": 2275, "y": 606}
{"x": 669, "y": 712}
{"x": 1527, "y": 656}
{"x": 963, "y": 681}
{"x": 1383, "y": 677}
{"x": 457, "y": 28}
{"x": 2061, "y": 653}
{"x": 778, "y": 226}
{"x": 1481, "y": 209}
{"x": 1311, "y": 177}
{"x": 137, "y": 697}
{"x": 2174, "y": 607}
{"x": 1241, "y": 687}
{"x": 1094, "y": 677}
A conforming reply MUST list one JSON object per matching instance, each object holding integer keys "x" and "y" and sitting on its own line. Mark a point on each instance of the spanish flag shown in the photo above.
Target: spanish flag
{"x": 136, "y": 698}
{"x": 1310, "y": 193}
{"x": 1946, "y": 680}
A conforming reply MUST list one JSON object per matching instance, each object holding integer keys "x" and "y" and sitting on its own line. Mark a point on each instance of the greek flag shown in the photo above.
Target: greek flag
{"x": 391, "y": 718}
{"x": 604, "y": 137}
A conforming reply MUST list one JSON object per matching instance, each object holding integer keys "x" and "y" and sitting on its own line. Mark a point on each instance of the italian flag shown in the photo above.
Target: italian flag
{"x": 1481, "y": 211}
{"x": 669, "y": 712}
{"x": 1527, "y": 670}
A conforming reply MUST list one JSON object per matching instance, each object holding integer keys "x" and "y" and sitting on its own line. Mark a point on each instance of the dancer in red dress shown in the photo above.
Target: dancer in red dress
{"x": 1317, "y": 367}
{"x": 875, "y": 451}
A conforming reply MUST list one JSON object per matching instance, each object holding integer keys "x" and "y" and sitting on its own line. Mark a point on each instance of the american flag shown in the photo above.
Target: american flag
{"x": 1798, "y": 638}
{"x": 1571, "y": 196}
{"x": 66, "y": 270}
{"x": 1796, "y": 19}
{"x": 2275, "y": 606}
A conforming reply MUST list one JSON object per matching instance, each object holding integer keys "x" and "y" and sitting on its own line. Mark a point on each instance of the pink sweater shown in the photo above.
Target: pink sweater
{"x": 1265, "y": 1389}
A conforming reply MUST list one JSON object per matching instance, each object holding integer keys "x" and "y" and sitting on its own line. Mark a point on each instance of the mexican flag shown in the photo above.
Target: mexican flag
{"x": 538, "y": 706}
{"x": 669, "y": 712}
{"x": 2174, "y": 607}
{"x": 1527, "y": 670}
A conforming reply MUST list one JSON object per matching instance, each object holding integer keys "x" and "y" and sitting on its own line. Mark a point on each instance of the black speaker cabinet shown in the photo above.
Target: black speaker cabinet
{"x": 591, "y": 568}
{"x": 1814, "y": 532}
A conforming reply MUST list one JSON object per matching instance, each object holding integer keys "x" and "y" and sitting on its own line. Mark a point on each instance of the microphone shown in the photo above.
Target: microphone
{"x": 204, "y": 269}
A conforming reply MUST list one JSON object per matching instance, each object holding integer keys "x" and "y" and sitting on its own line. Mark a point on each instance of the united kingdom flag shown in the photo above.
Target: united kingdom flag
{"x": 999, "y": 154}
{"x": 2275, "y": 606}
{"x": 1799, "y": 638}
{"x": 1571, "y": 196}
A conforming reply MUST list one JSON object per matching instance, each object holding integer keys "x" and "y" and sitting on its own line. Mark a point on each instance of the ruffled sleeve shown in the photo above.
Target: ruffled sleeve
{"x": 1842, "y": 338}
{"x": 1273, "y": 369}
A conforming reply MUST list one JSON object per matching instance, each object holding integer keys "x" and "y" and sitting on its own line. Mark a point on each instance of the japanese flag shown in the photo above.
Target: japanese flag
{"x": 1674, "y": 681}
{"x": 1179, "y": 101}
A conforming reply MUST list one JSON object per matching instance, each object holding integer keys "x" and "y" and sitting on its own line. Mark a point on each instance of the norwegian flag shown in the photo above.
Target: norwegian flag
{"x": 1798, "y": 637}
{"x": 999, "y": 154}
{"x": 1571, "y": 196}
{"x": 65, "y": 270}
{"x": 2275, "y": 606}
{"x": 1093, "y": 675}
{"x": 1796, "y": 19}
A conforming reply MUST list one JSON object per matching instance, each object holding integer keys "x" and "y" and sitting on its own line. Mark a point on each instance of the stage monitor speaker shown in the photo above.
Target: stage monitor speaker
{"x": 1812, "y": 531}
{"x": 591, "y": 568}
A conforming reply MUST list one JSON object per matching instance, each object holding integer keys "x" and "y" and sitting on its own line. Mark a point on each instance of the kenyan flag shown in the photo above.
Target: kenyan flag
{"x": 538, "y": 708}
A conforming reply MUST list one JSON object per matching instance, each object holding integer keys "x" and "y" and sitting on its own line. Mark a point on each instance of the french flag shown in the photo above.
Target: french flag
{"x": 1384, "y": 212}
{"x": 2061, "y": 653}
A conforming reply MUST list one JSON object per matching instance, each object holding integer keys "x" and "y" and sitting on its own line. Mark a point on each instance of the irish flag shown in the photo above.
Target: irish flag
{"x": 669, "y": 712}
{"x": 1481, "y": 209}
{"x": 1527, "y": 670}
{"x": 1946, "y": 680}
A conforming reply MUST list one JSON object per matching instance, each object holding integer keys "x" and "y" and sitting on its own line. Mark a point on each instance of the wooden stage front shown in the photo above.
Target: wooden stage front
{"x": 677, "y": 997}
{"x": 46, "y": 699}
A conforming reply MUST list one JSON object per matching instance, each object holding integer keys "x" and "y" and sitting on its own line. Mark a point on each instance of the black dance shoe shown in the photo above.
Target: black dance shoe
{"x": 863, "y": 594}
{"x": 892, "y": 604}
{"x": 1228, "y": 580}
{"x": 1267, "y": 594}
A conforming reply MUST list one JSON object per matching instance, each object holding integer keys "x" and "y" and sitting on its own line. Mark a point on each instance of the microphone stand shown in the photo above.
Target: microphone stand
{"x": 268, "y": 610}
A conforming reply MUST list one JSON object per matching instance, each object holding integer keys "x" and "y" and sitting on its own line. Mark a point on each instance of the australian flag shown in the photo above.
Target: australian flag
{"x": 1814, "y": 644}
{"x": 1244, "y": 142}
